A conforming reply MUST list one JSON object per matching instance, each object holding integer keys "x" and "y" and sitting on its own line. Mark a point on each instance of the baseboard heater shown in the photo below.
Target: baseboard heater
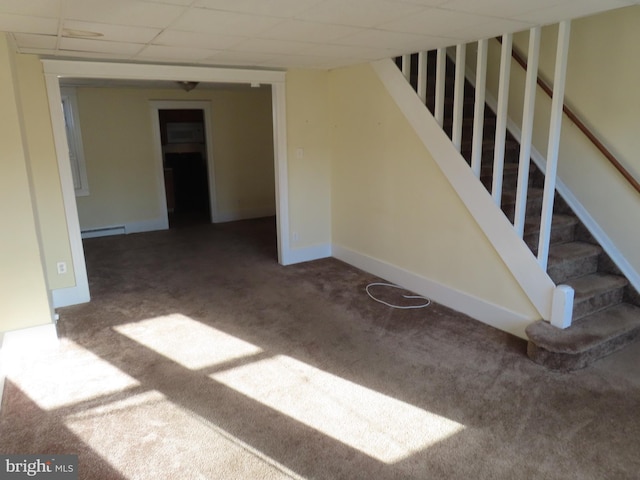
{"x": 103, "y": 232}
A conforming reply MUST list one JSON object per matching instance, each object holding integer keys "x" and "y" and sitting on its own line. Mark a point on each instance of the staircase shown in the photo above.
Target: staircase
{"x": 606, "y": 309}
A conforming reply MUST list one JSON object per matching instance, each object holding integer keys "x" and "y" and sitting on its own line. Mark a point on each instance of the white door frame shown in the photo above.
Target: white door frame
{"x": 205, "y": 106}
{"x": 54, "y": 70}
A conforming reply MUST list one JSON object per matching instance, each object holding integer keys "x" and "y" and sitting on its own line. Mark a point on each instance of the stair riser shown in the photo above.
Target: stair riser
{"x": 573, "y": 268}
{"x": 596, "y": 303}
{"x": 559, "y": 234}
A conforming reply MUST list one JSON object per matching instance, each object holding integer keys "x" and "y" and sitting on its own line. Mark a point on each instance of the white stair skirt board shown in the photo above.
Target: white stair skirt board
{"x": 307, "y": 254}
{"x": 515, "y": 254}
{"x": 476, "y": 308}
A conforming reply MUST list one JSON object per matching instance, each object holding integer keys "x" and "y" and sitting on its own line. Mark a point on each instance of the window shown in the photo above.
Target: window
{"x": 74, "y": 140}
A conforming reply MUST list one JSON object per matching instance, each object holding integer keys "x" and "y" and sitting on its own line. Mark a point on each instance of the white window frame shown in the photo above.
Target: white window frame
{"x": 74, "y": 141}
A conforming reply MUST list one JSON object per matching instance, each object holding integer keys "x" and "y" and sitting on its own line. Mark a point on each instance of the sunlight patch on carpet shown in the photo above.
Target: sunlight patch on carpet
{"x": 72, "y": 376}
{"x": 380, "y": 426}
{"x": 187, "y": 342}
{"x": 162, "y": 435}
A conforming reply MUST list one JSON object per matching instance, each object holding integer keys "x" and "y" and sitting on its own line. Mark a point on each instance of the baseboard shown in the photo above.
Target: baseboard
{"x": 245, "y": 214}
{"x": 64, "y": 297}
{"x": 130, "y": 227}
{"x": 306, "y": 254}
{"x": 486, "y": 312}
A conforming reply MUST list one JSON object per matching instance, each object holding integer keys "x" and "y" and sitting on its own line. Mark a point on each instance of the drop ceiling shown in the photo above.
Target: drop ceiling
{"x": 275, "y": 34}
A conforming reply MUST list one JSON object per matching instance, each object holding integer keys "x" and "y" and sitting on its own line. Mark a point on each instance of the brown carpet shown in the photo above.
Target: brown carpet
{"x": 200, "y": 357}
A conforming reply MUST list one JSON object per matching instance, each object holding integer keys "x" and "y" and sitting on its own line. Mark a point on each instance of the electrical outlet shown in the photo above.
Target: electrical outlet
{"x": 62, "y": 268}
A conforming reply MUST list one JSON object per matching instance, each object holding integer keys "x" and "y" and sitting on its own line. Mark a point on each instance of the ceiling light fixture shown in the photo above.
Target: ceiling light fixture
{"x": 70, "y": 32}
{"x": 187, "y": 86}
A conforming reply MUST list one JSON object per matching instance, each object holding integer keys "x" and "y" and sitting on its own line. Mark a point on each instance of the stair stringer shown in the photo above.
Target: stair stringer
{"x": 513, "y": 251}
{"x": 590, "y": 223}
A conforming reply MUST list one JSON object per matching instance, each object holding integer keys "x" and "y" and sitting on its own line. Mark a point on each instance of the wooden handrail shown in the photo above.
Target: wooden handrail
{"x": 580, "y": 124}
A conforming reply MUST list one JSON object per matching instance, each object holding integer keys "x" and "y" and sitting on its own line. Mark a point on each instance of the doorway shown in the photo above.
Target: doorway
{"x": 184, "y": 162}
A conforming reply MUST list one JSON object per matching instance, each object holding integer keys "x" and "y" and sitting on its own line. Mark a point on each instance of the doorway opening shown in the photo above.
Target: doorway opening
{"x": 184, "y": 163}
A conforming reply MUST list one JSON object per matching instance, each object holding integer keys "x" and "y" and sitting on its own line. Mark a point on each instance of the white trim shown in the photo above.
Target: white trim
{"x": 80, "y": 292}
{"x": 534, "y": 281}
{"x": 75, "y": 139}
{"x": 458, "y": 95}
{"x": 476, "y": 308}
{"x": 478, "y": 107}
{"x": 278, "y": 100}
{"x": 104, "y": 231}
{"x": 308, "y": 254}
{"x": 245, "y": 214}
{"x": 56, "y": 69}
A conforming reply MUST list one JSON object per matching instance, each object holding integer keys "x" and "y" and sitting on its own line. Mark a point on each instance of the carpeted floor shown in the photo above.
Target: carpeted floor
{"x": 200, "y": 357}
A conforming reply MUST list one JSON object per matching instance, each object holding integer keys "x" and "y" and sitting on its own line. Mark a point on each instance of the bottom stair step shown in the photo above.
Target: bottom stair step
{"x": 586, "y": 341}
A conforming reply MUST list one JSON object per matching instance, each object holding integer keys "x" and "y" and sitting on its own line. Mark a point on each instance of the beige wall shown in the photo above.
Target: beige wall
{"x": 391, "y": 202}
{"x": 602, "y": 77}
{"x": 44, "y": 168}
{"x": 23, "y": 286}
{"x": 309, "y": 157}
{"x": 117, "y": 134}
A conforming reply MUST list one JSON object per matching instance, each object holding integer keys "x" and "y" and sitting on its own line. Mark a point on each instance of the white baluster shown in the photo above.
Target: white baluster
{"x": 422, "y": 76}
{"x": 458, "y": 96}
{"x": 406, "y": 67}
{"x": 527, "y": 129}
{"x": 554, "y": 141}
{"x": 501, "y": 120}
{"x": 441, "y": 66}
{"x": 478, "y": 109}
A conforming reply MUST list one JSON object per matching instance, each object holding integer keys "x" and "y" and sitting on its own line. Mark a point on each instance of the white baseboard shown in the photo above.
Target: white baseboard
{"x": 306, "y": 254}
{"x": 245, "y": 214}
{"x": 131, "y": 227}
{"x": 479, "y": 309}
{"x": 64, "y": 297}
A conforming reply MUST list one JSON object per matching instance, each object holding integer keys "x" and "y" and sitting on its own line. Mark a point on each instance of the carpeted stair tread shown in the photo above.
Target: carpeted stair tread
{"x": 587, "y": 340}
{"x": 532, "y": 225}
{"x": 572, "y": 259}
{"x": 596, "y": 292}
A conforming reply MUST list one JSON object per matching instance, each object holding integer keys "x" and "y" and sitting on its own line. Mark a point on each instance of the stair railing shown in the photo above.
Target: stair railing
{"x": 563, "y": 295}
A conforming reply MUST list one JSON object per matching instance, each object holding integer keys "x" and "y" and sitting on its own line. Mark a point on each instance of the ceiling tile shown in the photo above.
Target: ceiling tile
{"x": 37, "y": 8}
{"x": 390, "y": 40}
{"x": 99, "y": 46}
{"x": 123, "y": 12}
{"x": 359, "y": 13}
{"x": 226, "y": 23}
{"x": 500, "y": 8}
{"x": 565, "y": 10}
{"x": 262, "y": 45}
{"x": 241, "y": 58}
{"x": 178, "y": 38}
{"x": 179, "y": 54}
{"x": 116, "y": 33}
{"x": 340, "y": 51}
{"x": 435, "y": 22}
{"x": 308, "y": 31}
{"x": 29, "y": 40}
{"x": 25, "y": 24}
{"x": 275, "y": 8}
